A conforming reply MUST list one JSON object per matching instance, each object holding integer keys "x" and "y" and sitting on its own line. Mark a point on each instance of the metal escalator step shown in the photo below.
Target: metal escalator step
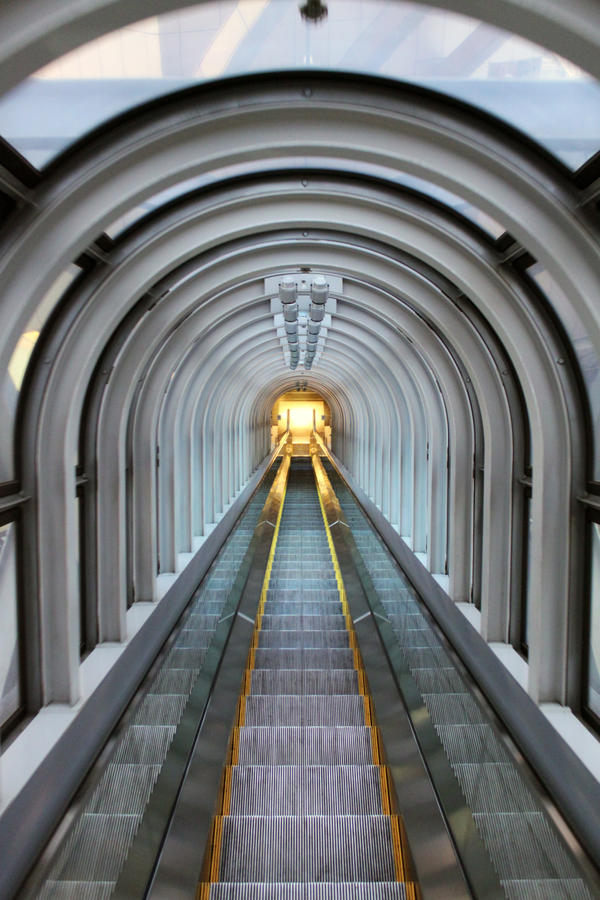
{"x": 285, "y": 556}
{"x": 76, "y": 890}
{"x": 546, "y": 889}
{"x": 312, "y": 746}
{"x": 304, "y": 681}
{"x": 92, "y": 852}
{"x": 438, "y": 681}
{"x": 192, "y": 638}
{"x": 453, "y": 709}
{"x": 301, "y": 607}
{"x": 201, "y": 621}
{"x": 283, "y": 622}
{"x": 175, "y": 681}
{"x": 494, "y": 787}
{"x": 306, "y": 848}
{"x": 424, "y": 658}
{"x": 306, "y": 596}
{"x": 298, "y": 638}
{"x": 303, "y": 659}
{"x": 304, "y": 710}
{"x": 471, "y": 744}
{"x": 305, "y": 790}
{"x": 408, "y": 620}
{"x": 144, "y": 744}
{"x": 160, "y": 709}
{"x": 283, "y": 568}
{"x": 185, "y": 658}
{"x": 524, "y": 846}
{"x": 390, "y": 890}
{"x": 124, "y": 788}
{"x": 418, "y": 638}
{"x": 282, "y": 583}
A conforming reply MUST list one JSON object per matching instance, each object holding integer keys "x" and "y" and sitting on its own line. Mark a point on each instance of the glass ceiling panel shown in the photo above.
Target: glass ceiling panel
{"x": 548, "y": 98}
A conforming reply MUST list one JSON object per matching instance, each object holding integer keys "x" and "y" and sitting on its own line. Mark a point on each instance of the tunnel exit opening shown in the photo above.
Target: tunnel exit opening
{"x": 301, "y": 411}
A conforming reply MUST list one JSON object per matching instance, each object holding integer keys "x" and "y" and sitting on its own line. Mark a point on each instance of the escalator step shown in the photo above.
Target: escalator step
{"x": 305, "y": 790}
{"x": 304, "y": 681}
{"x": 304, "y": 710}
{"x": 306, "y": 848}
{"x": 303, "y": 659}
{"x": 301, "y": 607}
{"x": 77, "y": 890}
{"x": 391, "y": 890}
{"x": 283, "y": 622}
{"x": 341, "y": 745}
{"x": 297, "y": 639}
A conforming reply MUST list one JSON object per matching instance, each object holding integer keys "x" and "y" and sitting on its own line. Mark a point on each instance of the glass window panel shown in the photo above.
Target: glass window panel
{"x": 594, "y": 636}
{"x": 13, "y": 378}
{"x": 10, "y": 682}
{"x": 582, "y": 345}
{"x": 533, "y": 89}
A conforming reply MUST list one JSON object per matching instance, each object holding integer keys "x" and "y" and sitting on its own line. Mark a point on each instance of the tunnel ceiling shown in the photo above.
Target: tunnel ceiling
{"x": 467, "y": 322}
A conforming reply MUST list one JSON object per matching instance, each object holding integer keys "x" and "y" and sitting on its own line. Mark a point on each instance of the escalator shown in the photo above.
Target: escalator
{"x": 305, "y": 777}
{"x": 356, "y": 761}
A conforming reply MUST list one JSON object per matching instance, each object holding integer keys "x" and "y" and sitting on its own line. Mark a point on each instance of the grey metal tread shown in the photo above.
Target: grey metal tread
{"x": 306, "y": 848}
{"x": 306, "y": 790}
{"x": 383, "y": 890}
{"x": 313, "y": 745}
{"x": 271, "y": 658}
{"x": 304, "y": 681}
{"x": 547, "y": 889}
{"x": 76, "y": 890}
{"x": 299, "y": 639}
{"x": 284, "y": 622}
{"x": 305, "y": 709}
{"x": 300, "y": 607}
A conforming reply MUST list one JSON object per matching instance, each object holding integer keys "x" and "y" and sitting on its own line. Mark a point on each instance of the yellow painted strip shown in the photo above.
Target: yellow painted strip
{"x": 397, "y": 844}
{"x": 216, "y": 848}
{"x": 226, "y": 800}
{"x": 385, "y": 794}
{"x": 203, "y": 891}
{"x": 241, "y": 711}
{"x": 235, "y": 747}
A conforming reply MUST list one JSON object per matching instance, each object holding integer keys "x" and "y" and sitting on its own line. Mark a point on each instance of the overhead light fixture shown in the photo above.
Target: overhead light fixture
{"x": 302, "y": 308}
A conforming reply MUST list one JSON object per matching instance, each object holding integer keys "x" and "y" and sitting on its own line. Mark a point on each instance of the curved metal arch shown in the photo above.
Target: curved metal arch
{"x": 493, "y": 404}
{"x": 420, "y": 476}
{"x": 460, "y": 482}
{"x": 462, "y": 153}
{"x": 221, "y": 341}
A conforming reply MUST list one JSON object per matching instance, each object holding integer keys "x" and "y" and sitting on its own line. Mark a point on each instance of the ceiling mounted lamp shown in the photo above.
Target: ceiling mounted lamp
{"x": 302, "y": 308}
{"x": 313, "y": 11}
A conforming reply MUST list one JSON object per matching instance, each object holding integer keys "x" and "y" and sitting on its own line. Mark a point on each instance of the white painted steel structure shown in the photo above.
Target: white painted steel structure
{"x": 452, "y": 384}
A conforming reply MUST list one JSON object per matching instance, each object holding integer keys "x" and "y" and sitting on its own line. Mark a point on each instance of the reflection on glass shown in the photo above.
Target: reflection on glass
{"x": 10, "y": 685}
{"x": 301, "y": 163}
{"x": 582, "y": 345}
{"x": 22, "y": 352}
{"x": 594, "y": 636}
{"x": 533, "y": 89}
{"x": 12, "y": 379}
